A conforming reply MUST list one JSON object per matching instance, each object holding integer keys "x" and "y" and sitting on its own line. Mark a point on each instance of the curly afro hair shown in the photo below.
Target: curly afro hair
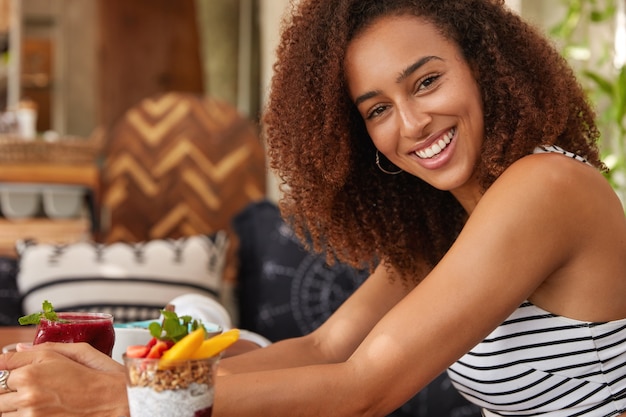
{"x": 332, "y": 192}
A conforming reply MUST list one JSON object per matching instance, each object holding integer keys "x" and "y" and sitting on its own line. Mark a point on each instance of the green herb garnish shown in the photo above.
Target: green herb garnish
{"x": 47, "y": 313}
{"x": 173, "y": 327}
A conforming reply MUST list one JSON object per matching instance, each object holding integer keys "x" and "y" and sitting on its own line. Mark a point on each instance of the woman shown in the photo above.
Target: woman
{"x": 430, "y": 141}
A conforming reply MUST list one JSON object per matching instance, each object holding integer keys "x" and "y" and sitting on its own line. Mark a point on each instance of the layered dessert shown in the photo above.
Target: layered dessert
{"x": 174, "y": 374}
{"x": 183, "y": 389}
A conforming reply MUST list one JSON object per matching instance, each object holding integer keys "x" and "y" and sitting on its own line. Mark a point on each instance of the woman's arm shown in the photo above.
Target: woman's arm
{"x": 336, "y": 339}
{"x": 535, "y": 234}
{"x": 524, "y": 232}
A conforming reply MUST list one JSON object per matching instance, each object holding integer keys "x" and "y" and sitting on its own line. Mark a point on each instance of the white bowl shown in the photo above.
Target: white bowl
{"x": 128, "y": 336}
{"x": 19, "y": 201}
{"x": 63, "y": 202}
{"x": 137, "y": 333}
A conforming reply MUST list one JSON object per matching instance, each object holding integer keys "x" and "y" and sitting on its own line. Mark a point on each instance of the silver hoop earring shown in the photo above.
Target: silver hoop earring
{"x": 383, "y": 169}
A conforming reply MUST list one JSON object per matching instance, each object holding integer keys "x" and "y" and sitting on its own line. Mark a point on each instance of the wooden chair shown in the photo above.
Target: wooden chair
{"x": 178, "y": 164}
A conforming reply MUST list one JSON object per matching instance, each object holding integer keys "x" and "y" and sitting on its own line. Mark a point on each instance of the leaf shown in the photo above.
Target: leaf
{"x": 155, "y": 329}
{"x": 30, "y": 319}
{"x": 47, "y": 313}
{"x": 620, "y": 99}
{"x": 605, "y": 85}
{"x": 173, "y": 327}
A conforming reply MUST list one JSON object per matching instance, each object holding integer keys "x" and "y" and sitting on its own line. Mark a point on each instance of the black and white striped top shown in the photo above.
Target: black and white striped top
{"x": 539, "y": 364}
{"x": 557, "y": 149}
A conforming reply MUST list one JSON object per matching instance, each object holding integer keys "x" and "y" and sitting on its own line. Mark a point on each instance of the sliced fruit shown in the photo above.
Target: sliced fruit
{"x": 137, "y": 351}
{"x": 152, "y": 342}
{"x": 184, "y": 348}
{"x": 157, "y": 350}
{"x": 216, "y": 344}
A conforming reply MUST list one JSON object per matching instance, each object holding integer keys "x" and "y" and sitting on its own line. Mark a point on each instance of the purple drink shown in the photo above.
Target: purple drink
{"x": 93, "y": 328}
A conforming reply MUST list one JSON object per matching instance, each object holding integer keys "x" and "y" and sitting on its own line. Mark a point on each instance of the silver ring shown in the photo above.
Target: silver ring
{"x": 4, "y": 377}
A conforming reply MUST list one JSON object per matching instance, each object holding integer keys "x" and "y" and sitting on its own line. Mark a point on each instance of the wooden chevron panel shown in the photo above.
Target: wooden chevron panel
{"x": 179, "y": 164}
{"x": 154, "y": 133}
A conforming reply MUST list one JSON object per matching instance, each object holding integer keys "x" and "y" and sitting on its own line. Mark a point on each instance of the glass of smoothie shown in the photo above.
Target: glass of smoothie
{"x": 179, "y": 389}
{"x": 73, "y": 327}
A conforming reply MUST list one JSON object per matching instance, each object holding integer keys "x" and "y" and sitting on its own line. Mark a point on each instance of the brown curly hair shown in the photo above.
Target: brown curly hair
{"x": 334, "y": 195}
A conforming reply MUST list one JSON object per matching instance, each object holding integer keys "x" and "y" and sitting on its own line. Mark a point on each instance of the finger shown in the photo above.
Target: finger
{"x": 7, "y": 404}
{"x": 13, "y": 360}
{"x": 4, "y": 381}
{"x": 8, "y": 394}
{"x": 79, "y": 352}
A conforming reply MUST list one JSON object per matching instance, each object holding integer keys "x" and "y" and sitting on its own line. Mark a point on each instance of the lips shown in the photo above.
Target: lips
{"x": 437, "y": 147}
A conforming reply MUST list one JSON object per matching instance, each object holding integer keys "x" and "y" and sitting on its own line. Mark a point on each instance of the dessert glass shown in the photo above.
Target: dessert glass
{"x": 181, "y": 389}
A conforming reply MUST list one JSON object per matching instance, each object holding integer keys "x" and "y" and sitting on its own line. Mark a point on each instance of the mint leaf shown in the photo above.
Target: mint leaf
{"x": 30, "y": 319}
{"x": 47, "y": 313}
{"x": 173, "y": 328}
{"x": 155, "y": 330}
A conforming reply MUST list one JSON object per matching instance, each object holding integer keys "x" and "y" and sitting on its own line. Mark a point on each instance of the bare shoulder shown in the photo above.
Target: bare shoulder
{"x": 575, "y": 227}
{"x": 558, "y": 185}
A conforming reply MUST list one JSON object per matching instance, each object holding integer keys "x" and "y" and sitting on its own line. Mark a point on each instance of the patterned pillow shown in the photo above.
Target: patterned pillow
{"x": 284, "y": 290}
{"x": 131, "y": 281}
{"x": 10, "y": 307}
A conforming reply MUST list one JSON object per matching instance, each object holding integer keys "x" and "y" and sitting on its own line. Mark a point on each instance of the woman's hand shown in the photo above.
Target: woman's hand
{"x": 79, "y": 352}
{"x": 63, "y": 379}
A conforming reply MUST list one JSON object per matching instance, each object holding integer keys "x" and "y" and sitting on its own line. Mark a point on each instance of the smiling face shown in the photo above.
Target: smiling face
{"x": 420, "y": 101}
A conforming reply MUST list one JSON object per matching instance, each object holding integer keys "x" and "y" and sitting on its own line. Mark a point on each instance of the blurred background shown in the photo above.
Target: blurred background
{"x": 82, "y": 63}
{"x": 85, "y": 61}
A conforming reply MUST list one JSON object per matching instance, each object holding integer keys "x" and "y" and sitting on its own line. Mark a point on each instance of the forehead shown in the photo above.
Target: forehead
{"x": 397, "y": 39}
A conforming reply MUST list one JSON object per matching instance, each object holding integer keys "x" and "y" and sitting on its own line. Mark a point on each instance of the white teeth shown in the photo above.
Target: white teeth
{"x": 437, "y": 147}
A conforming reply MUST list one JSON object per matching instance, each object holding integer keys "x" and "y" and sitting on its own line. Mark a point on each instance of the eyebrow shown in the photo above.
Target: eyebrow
{"x": 403, "y": 75}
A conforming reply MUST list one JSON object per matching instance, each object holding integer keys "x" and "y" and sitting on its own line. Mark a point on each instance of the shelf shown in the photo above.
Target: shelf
{"x": 43, "y": 231}
{"x": 86, "y": 175}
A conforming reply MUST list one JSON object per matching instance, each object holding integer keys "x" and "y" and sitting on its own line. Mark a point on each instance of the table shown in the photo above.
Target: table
{"x": 14, "y": 334}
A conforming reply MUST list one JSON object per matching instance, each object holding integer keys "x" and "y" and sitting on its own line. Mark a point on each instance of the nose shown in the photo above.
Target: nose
{"x": 412, "y": 120}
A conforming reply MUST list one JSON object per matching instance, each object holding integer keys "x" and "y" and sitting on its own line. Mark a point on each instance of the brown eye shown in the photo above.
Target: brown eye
{"x": 427, "y": 82}
{"x": 375, "y": 112}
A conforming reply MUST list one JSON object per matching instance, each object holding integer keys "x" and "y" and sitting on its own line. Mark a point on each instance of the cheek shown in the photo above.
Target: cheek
{"x": 383, "y": 137}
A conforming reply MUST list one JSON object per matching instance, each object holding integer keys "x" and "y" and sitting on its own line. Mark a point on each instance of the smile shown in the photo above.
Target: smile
{"x": 437, "y": 147}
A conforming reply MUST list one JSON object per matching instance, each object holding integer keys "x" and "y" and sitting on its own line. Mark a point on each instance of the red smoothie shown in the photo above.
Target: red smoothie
{"x": 93, "y": 328}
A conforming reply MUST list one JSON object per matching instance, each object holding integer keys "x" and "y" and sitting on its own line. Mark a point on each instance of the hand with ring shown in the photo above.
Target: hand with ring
{"x": 62, "y": 379}
{"x": 4, "y": 381}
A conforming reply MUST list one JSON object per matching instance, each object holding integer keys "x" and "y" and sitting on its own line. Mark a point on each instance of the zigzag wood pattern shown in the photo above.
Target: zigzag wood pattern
{"x": 177, "y": 165}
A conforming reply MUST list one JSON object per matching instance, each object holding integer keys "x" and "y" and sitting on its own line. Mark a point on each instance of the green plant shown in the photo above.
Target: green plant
{"x": 582, "y": 33}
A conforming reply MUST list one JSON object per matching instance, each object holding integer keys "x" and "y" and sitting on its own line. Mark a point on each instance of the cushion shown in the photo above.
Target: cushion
{"x": 131, "y": 281}
{"x": 284, "y": 290}
{"x": 10, "y": 305}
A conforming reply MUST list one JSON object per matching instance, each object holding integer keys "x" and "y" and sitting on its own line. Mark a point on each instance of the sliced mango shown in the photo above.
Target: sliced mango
{"x": 184, "y": 348}
{"x": 214, "y": 345}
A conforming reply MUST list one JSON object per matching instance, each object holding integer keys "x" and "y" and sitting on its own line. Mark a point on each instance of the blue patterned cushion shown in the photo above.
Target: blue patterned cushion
{"x": 10, "y": 304}
{"x": 285, "y": 291}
